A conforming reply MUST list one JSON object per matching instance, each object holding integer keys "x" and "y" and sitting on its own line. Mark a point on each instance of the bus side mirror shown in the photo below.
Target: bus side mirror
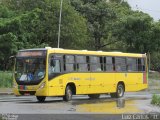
{"x": 12, "y": 60}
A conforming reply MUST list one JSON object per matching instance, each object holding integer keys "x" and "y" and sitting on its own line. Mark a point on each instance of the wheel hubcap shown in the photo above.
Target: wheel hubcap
{"x": 69, "y": 94}
{"x": 120, "y": 91}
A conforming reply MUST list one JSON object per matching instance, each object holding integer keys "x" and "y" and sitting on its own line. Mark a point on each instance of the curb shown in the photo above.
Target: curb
{"x": 6, "y": 93}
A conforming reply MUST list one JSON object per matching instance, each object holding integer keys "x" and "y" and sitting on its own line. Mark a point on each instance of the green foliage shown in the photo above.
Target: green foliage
{"x": 155, "y": 36}
{"x": 135, "y": 32}
{"x": 7, "y": 47}
{"x": 155, "y": 60}
{"x": 154, "y": 75}
{"x": 38, "y": 25}
{"x": 86, "y": 24}
{"x": 5, "y": 79}
{"x": 5, "y": 12}
{"x": 34, "y": 24}
{"x": 155, "y": 100}
{"x": 99, "y": 17}
{"x": 1, "y": 117}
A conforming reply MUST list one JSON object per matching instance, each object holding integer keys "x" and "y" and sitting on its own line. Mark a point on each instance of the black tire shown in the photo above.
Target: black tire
{"x": 119, "y": 92}
{"x": 94, "y": 96}
{"x": 41, "y": 98}
{"x": 68, "y": 94}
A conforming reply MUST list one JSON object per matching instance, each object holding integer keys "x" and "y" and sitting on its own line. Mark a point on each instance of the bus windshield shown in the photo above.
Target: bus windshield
{"x": 29, "y": 69}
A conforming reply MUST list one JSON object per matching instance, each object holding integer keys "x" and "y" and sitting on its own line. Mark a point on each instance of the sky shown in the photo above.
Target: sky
{"x": 152, "y": 7}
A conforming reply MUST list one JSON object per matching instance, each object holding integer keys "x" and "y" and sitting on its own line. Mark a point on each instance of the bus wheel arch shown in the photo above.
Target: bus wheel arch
{"x": 69, "y": 91}
{"x": 119, "y": 90}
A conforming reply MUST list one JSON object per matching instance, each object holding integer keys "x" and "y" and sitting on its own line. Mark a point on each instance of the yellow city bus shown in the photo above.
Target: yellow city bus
{"x": 61, "y": 72}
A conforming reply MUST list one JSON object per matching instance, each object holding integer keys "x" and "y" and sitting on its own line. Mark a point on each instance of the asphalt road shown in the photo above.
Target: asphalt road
{"x": 80, "y": 108}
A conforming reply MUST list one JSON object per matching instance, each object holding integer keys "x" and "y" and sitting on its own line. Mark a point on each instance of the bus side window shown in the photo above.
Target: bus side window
{"x": 120, "y": 64}
{"x": 54, "y": 65}
{"x": 141, "y": 64}
{"x": 109, "y": 63}
{"x": 131, "y": 64}
{"x": 95, "y": 65}
{"x": 82, "y": 65}
{"x": 69, "y": 63}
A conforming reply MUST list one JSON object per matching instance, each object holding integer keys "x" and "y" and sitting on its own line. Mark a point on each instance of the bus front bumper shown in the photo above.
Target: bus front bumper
{"x": 28, "y": 91}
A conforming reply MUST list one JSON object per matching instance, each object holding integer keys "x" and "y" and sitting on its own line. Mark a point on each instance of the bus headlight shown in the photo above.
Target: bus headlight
{"x": 42, "y": 85}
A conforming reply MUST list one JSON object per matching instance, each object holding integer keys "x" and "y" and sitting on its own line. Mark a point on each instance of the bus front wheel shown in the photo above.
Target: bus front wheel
{"x": 94, "y": 96}
{"x": 119, "y": 92}
{"x": 41, "y": 98}
{"x": 68, "y": 94}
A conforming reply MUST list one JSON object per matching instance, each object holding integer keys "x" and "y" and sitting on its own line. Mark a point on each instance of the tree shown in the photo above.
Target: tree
{"x": 155, "y": 36}
{"x": 35, "y": 24}
{"x": 135, "y": 31}
{"x": 7, "y": 47}
{"x": 99, "y": 18}
{"x": 38, "y": 24}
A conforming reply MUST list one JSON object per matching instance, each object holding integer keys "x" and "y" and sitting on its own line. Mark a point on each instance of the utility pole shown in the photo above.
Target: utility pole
{"x": 59, "y": 30}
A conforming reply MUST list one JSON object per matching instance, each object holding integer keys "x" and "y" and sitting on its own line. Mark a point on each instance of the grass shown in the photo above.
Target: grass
{"x": 155, "y": 100}
{"x": 6, "y": 79}
{"x": 154, "y": 75}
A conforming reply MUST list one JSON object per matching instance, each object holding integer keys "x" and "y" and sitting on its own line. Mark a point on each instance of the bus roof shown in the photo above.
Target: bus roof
{"x": 86, "y": 52}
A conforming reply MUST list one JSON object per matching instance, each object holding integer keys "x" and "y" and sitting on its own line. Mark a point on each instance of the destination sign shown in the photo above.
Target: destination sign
{"x": 31, "y": 53}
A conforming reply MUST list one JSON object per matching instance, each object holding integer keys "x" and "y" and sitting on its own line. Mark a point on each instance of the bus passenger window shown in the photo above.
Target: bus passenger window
{"x": 95, "y": 64}
{"x": 120, "y": 64}
{"x": 82, "y": 65}
{"x": 141, "y": 64}
{"x": 109, "y": 63}
{"x": 95, "y": 67}
{"x": 69, "y": 67}
{"x": 118, "y": 68}
{"x": 69, "y": 63}
{"x": 131, "y": 64}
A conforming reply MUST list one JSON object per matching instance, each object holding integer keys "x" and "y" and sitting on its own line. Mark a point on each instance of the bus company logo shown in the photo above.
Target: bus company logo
{"x": 74, "y": 78}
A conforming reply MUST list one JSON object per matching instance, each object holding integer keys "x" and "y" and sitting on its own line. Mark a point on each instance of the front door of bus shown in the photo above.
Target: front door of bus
{"x": 55, "y": 78}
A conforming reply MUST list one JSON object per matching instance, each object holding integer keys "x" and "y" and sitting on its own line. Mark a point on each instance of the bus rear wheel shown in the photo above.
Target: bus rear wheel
{"x": 94, "y": 96}
{"x": 68, "y": 94}
{"x": 41, "y": 98}
{"x": 119, "y": 92}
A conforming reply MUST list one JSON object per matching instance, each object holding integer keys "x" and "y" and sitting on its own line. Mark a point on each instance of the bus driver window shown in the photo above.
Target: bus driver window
{"x": 54, "y": 65}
